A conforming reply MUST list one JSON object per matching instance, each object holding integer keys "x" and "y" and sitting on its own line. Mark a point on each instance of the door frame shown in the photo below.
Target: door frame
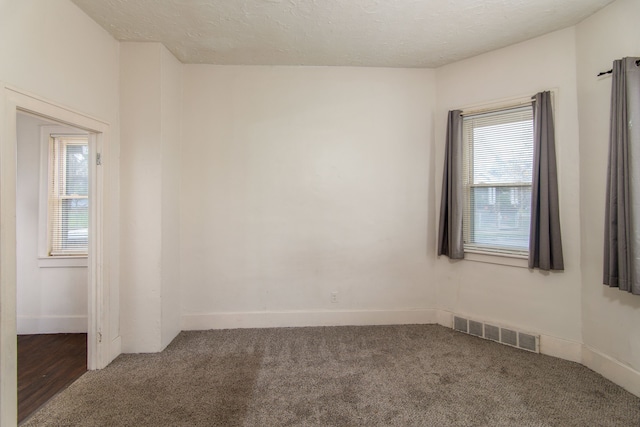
{"x": 99, "y": 353}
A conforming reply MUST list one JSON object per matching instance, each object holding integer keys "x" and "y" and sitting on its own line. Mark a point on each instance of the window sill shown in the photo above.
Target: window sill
{"x": 499, "y": 259}
{"x": 63, "y": 262}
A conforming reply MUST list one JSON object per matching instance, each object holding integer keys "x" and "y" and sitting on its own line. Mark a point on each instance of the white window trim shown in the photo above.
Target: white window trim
{"x": 499, "y": 259}
{"x": 63, "y": 261}
{"x": 44, "y": 260}
{"x": 487, "y": 257}
{"x": 499, "y": 104}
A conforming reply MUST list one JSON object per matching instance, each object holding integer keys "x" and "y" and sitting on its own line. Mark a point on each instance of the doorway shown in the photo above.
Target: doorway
{"x": 100, "y": 351}
{"x": 52, "y": 237}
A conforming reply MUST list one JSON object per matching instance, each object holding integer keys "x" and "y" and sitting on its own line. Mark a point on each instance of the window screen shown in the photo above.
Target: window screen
{"x": 498, "y": 159}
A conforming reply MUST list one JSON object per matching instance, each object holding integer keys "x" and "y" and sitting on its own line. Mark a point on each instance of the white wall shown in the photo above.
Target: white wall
{"x": 296, "y": 182}
{"x": 49, "y": 300}
{"x": 141, "y": 172}
{"x": 171, "y": 97}
{"x": 150, "y": 109}
{"x": 53, "y": 50}
{"x": 549, "y": 304}
{"x": 301, "y": 181}
{"x": 610, "y": 317}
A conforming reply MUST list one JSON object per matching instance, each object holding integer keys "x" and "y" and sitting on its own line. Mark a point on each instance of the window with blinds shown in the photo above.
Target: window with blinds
{"x": 497, "y": 163}
{"x": 68, "y": 201}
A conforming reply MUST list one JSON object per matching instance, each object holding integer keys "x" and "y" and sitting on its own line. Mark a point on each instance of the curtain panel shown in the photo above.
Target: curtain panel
{"x": 622, "y": 208}
{"x": 450, "y": 238}
{"x": 545, "y": 241}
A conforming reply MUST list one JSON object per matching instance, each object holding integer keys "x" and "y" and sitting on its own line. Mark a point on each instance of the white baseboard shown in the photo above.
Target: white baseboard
{"x": 27, "y": 325}
{"x": 115, "y": 348}
{"x": 561, "y": 348}
{"x": 445, "y": 318}
{"x": 623, "y": 375}
{"x": 549, "y": 345}
{"x": 280, "y": 319}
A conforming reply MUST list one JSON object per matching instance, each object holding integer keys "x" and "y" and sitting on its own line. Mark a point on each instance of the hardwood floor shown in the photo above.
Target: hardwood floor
{"x": 47, "y": 364}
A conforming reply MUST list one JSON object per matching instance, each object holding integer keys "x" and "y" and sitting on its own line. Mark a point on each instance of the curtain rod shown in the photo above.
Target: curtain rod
{"x": 611, "y": 71}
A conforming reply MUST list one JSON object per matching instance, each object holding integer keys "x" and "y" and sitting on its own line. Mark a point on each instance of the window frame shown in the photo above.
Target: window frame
{"x": 45, "y": 260}
{"x": 496, "y": 255}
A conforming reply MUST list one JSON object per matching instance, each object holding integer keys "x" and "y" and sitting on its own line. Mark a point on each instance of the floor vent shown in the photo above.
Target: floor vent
{"x": 507, "y": 336}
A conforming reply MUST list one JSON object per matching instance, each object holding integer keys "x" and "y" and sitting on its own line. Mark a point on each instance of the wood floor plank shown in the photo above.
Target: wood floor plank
{"x": 47, "y": 363}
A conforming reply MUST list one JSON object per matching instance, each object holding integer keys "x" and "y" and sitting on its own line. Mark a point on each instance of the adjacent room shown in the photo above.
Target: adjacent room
{"x": 271, "y": 212}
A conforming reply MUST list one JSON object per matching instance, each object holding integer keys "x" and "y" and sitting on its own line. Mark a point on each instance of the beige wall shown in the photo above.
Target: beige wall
{"x": 301, "y": 181}
{"x": 548, "y": 304}
{"x": 610, "y": 317}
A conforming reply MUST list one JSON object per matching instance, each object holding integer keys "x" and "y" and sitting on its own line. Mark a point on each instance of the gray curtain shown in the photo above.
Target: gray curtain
{"x": 450, "y": 239}
{"x": 545, "y": 242}
{"x": 622, "y": 210}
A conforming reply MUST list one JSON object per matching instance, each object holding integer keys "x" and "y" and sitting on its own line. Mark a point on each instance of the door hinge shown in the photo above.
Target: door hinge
{"x": 98, "y": 159}
{"x": 99, "y": 336}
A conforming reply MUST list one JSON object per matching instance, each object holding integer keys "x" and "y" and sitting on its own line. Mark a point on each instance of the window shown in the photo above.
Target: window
{"x": 497, "y": 163}
{"x": 68, "y": 202}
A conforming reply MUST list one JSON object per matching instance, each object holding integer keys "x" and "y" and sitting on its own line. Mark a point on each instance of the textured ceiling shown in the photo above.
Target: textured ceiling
{"x": 384, "y": 33}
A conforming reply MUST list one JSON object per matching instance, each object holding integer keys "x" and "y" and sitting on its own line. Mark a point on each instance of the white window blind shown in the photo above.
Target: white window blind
{"x": 497, "y": 162}
{"x": 68, "y": 202}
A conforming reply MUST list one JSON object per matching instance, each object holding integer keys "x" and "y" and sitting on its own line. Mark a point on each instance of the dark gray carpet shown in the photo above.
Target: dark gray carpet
{"x": 416, "y": 375}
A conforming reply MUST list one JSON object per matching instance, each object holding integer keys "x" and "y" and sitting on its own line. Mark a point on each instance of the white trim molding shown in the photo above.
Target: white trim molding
{"x": 445, "y": 318}
{"x": 612, "y": 369}
{"x": 12, "y": 101}
{"x": 63, "y": 262}
{"x": 115, "y": 347}
{"x": 510, "y": 261}
{"x": 561, "y": 348}
{"x": 549, "y": 345}
{"x": 8, "y": 341}
{"x": 280, "y": 319}
{"x": 52, "y": 324}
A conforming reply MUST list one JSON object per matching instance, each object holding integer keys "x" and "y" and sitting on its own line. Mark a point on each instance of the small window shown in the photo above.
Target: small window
{"x": 68, "y": 201}
{"x": 497, "y": 162}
